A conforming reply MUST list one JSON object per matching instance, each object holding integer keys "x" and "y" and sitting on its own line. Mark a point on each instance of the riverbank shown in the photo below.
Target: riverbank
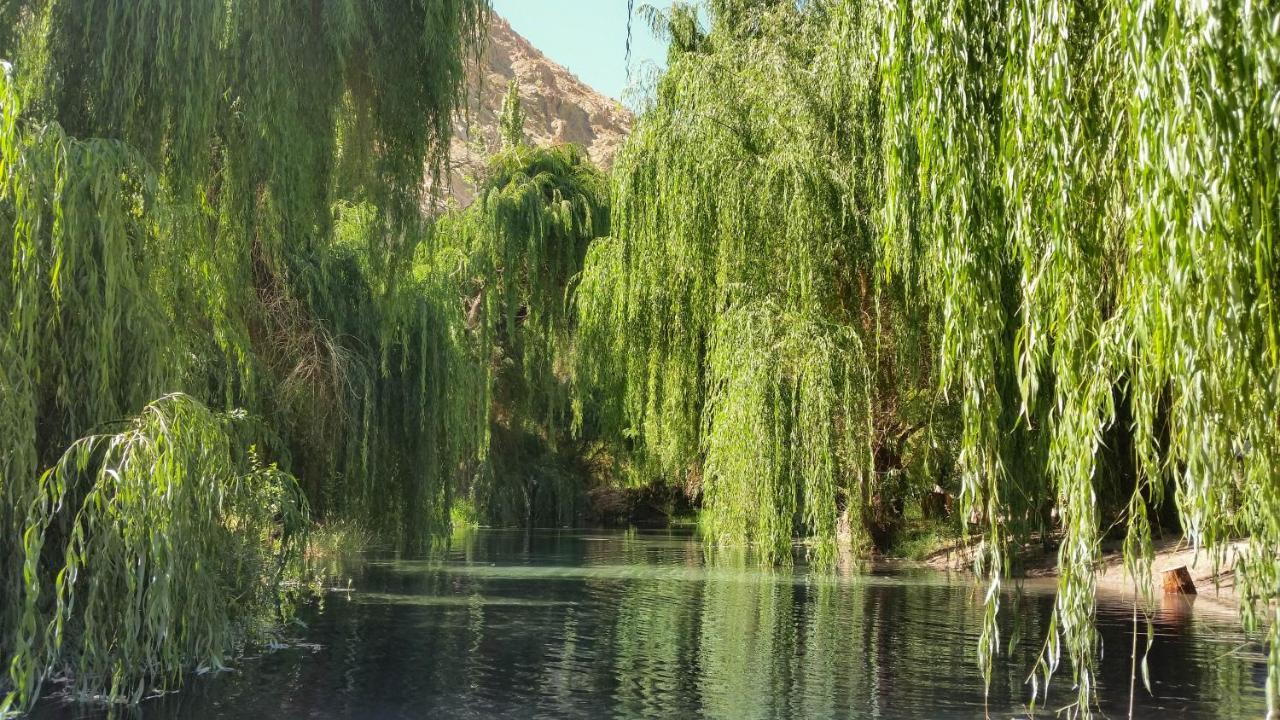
{"x": 1215, "y": 585}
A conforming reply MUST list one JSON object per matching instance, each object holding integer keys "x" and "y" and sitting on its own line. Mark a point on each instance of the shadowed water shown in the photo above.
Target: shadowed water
{"x": 577, "y": 624}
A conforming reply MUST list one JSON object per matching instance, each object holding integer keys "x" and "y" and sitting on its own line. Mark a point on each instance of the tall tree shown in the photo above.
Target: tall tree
{"x": 737, "y": 327}
{"x": 218, "y": 199}
{"x": 1079, "y": 197}
{"x": 521, "y": 244}
{"x": 1088, "y": 191}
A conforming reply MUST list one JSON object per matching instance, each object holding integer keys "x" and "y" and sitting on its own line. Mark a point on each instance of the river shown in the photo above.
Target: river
{"x": 635, "y": 624}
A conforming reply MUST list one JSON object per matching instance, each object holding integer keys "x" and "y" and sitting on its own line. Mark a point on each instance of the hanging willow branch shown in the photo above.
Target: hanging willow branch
{"x": 1079, "y": 197}
{"x": 174, "y": 543}
{"x": 523, "y": 241}
{"x": 223, "y": 199}
{"x": 1099, "y": 179}
{"x": 734, "y": 328}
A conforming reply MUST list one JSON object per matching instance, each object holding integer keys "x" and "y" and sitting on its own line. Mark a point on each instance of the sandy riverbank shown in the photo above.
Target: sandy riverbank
{"x": 1215, "y": 586}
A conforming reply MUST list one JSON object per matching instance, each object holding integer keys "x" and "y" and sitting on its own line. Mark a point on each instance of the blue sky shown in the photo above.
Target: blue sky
{"x": 589, "y": 37}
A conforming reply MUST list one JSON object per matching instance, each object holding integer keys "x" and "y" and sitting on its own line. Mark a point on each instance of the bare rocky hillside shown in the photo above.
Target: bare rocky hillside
{"x": 558, "y": 107}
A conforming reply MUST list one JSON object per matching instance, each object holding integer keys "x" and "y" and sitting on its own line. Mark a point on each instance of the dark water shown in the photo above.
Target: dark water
{"x": 645, "y": 625}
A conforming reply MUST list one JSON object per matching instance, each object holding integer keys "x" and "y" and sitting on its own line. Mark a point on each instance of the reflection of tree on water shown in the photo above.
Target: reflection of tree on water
{"x": 653, "y": 642}
{"x": 753, "y": 644}
{"x": 1181, "y": 678}
{"x": 748, "y": 644}
{"x": 743, "y": 647}
{"x": 639, "y": 626}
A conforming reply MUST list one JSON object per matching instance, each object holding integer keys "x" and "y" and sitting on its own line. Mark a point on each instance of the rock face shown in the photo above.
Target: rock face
{"x": 558, "y": 107}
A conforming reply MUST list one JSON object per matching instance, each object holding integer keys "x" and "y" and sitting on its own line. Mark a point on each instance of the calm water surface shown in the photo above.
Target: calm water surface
{"x": 582, "y": 624}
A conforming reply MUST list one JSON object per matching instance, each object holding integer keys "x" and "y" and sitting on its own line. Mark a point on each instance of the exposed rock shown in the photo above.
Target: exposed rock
{"x": 558, "y": 108}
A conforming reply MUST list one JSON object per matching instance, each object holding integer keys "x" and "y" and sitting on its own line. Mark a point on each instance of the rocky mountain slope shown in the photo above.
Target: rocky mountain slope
{"x": 558, "y": 108}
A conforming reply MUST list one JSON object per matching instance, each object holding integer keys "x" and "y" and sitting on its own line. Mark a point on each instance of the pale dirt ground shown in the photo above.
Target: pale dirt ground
{"x": 1215, "y": 587}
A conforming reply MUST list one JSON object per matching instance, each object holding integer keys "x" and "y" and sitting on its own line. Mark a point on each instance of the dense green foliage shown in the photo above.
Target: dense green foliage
{"x": 174, "y": 549}
{"x": 737, "y": 327}
{"x": 1088, "y": 193}
{"x": 856, "y": 254}
{"x": 518, "y": 246}
{"x": 220, "y": 199}
{"x": 1080, "y": 197}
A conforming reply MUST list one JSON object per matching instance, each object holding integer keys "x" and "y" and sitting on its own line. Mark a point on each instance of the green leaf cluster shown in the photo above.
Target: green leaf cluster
{"x": 214, "y": 203}
{"x": 1069, "y": 210}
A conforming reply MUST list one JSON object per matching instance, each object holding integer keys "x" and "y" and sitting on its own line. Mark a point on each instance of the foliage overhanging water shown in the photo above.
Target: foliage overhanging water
{"x": 635, "y": 624}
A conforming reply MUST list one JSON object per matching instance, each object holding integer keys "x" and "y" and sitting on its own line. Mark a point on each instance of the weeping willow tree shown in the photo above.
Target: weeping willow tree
{"x": 516, "y": 250}
{"x": 220, "y": 199}
{"x": 1079, "y": 198}
{"x": 1088, "y": 191}
{"x": 736, "y": 329}
{"x": 181, "y": 536}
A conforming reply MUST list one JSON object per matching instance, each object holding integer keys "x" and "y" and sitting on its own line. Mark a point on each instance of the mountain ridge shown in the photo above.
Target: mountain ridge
{"x": 558, "y": 107}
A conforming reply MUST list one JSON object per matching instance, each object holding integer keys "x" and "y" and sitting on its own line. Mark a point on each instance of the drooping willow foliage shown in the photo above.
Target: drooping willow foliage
{"x": 737, "y": 328}
{"x": 221, "y": 199}
{"x": 1081, "y": 198}
{"x": 175, "y": 537}
{"x": 836, "y": 219}
{"x": 520, "y": 244}
{"x": 406, "y": 385}
{"x": 1099, "y": 181}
